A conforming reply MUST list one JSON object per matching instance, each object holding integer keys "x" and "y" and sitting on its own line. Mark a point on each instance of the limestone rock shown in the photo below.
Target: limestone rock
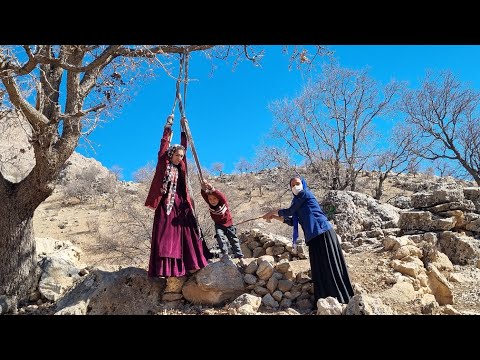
{"x": 367, "y": 305}
{"x": 329, "y": 306}
{"x": 214, "y": 284}
{"x": 175, "y": 284}
{"x": 123, "y": 292}
{"x": 441, "y": 288}
{"x": 460, "y": 249}
{"x": 402, "y": 292}
{"x": 246, "y": 304}
{"x": 58, "y": 275}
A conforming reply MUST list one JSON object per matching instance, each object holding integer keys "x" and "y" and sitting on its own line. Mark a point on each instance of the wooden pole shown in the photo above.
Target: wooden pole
{"x": 186, "y": 128}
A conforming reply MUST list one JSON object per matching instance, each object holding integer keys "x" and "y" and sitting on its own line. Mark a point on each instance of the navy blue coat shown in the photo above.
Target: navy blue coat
{"x": 311, "y": 217}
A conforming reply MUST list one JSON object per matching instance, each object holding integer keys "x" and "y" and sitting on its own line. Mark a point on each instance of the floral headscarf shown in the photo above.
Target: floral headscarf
{"x": 171, "y": 176}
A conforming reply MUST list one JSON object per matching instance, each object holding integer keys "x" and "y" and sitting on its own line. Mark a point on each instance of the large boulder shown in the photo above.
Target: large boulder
{"x": 58, "y": 249}
{"x": 329, "y": 306}
{"x": 215, "y": 284}
{"x": 472, "y": 222}
{"x": 410, "y": 268}
{"x": 427, "y": 199}
{"x": 401, "y": 292}
{"x": 402, "y": 202}
{"x": 59, "y": 264}
{"x": 460, "y": 249}
{"x": 424, "y": 221}
{"x": 473, "y": 194}
{"x": 465, "y": 205}
{"x": 58, "y": 275}
{"x": 126, "y": 291}
{"x": 354, "y": 212}
{"x": 292, "y": 269}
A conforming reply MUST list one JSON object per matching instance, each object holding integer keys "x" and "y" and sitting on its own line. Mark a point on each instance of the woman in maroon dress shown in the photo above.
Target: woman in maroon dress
{"x": 176, "y": 245}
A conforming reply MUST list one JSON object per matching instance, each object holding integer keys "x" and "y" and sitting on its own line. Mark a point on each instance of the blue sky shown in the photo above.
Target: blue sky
{"x": 227, "y": 111}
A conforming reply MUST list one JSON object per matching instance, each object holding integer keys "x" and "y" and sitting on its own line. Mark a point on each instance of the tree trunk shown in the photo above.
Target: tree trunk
{"x": 474, "y": 173}
{"x": 336, "y": 176}
{"x": 352, "y": 179}
{"x": 379, "y": 189}
{"x": 18, "y": 258}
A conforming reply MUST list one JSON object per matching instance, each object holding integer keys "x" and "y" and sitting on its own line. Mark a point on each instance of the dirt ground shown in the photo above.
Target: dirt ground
{"x": 82, "y": 223}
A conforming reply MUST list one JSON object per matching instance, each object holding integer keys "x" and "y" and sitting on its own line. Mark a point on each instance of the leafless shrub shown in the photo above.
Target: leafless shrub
{"x": 145, "y": 174}
{"x": 117, "y": 171}
{"x": 127, "y": 241}
{"x": 218, "y": 167}
{"x": 399, "y": 156}
{"x": 93, "y": 225}
{"x": 243, "y": 166}
{"x": 88, "y": 183}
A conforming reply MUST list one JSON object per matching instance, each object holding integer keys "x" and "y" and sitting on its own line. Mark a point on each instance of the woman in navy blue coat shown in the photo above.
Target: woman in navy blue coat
{"x": 329, "y": 270}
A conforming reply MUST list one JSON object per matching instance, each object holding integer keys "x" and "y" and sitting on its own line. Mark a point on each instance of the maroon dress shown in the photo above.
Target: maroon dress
{"x": 176, "y": 246}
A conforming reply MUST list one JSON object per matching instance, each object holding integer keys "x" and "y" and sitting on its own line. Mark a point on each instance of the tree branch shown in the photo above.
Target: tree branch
{"x": 161, "y": 49}
{"x": 34, "y": 117}
{"x": 82, "y": 113}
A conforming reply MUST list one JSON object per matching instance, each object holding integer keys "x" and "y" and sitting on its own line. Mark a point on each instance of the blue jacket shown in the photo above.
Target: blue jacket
{"x": 311, "y": 217}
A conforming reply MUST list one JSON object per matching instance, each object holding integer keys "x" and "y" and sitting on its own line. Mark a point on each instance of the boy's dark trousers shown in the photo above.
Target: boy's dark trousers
{"x": 230, "y": 232}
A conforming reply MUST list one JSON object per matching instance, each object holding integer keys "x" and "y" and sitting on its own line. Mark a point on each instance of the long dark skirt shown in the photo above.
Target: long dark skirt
{"x": 329, "y": 270}
{"x": 176, "y": 245}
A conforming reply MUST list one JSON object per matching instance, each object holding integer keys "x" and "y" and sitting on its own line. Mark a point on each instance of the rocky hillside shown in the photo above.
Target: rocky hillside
{"x": 414, "y": 252}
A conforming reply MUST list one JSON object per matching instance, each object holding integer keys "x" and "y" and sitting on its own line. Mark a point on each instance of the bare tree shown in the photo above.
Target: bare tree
{"x": 145, "y": 174}
{"x": 243, "y": 166}
{"x": 444, "y": 168}
{"x": 331, "y": 121}
{"x": 71, "y": 86}
{"x": 218, "y": 167}
{"x": 397, "y": 157}
{"x": 117, "y": 171}
{"x": 274, "y": 164}
{"x": 444, "y": 112}
{"x": 63, "y": 92}
{"x": 413, "y": 167}
{"x": 272, "y": 157}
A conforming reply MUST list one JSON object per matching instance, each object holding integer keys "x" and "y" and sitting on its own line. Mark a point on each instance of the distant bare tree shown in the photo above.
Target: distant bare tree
{"x": 144, "y": 175}
{"x": 117, "y": 171}
{"x": 268, "y": 156}
{"x": 444, "y": 168}
{"x": 430, "y": 171}
{"x": 243, "y": 166}
{"x": 332, "y": 121}
{"x": 413, "y": 167}
{"x": 218, "y": 167}
{"x": 444, "y": 112}
{"x": 397, "y": 157}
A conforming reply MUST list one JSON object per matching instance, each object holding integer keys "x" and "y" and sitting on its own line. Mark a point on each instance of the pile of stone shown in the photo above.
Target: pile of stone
{"x": 452, "y": 215}
{"x": 276, "y": 272}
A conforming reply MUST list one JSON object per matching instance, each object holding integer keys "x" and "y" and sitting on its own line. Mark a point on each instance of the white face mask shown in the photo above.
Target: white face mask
{"x": 297, "y": 188}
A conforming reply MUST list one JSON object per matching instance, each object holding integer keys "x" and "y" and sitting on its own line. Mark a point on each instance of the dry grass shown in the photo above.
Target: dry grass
{"x": 118, "y": 232}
